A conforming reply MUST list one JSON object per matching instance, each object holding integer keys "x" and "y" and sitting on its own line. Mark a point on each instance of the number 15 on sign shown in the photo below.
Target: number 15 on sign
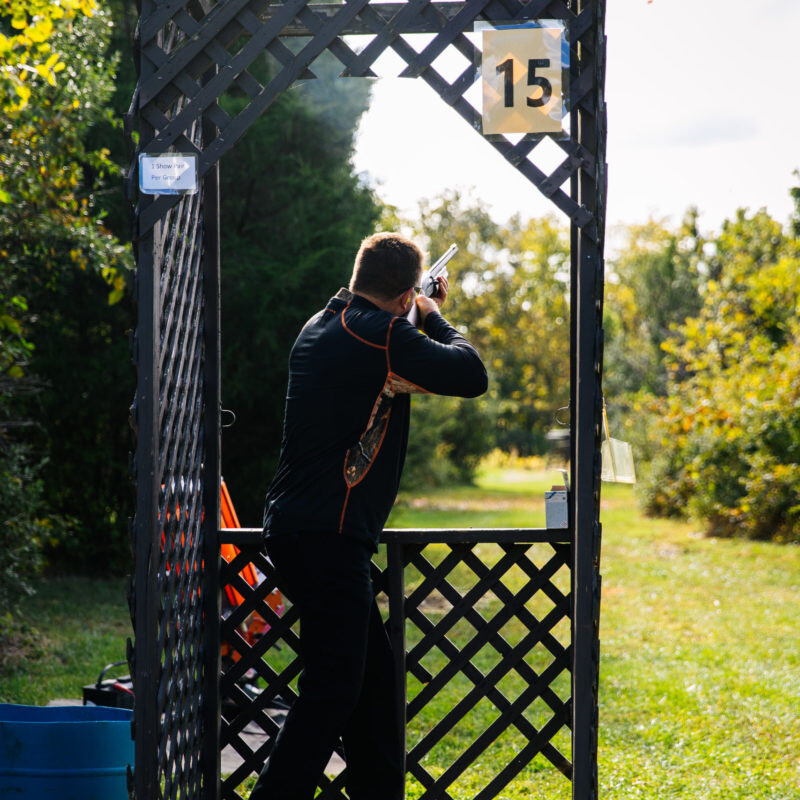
{"x": 522, "y": 72}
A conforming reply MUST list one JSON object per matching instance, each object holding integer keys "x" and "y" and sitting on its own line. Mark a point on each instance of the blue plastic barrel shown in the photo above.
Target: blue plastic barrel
{"x": 64, "y": 752}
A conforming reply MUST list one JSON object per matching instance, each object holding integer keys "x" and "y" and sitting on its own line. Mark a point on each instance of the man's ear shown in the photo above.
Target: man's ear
{"x": 407, "y": 298}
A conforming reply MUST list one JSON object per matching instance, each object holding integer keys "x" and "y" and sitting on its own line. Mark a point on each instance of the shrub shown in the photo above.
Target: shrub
{"x": 728, "y": 434}
{"x": 22, "y": 531}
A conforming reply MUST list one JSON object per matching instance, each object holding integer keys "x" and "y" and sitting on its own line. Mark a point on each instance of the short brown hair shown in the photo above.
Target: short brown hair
{"x": 386, "y": 265}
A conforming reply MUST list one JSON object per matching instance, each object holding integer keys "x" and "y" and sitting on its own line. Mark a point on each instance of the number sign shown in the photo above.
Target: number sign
{"x": 522, "y": 80}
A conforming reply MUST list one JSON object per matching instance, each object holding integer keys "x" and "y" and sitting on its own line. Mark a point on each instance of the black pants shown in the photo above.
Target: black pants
{"x": 347, "y": 685}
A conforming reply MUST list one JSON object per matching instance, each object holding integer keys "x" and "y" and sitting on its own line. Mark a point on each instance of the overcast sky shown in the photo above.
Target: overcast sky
{"x": 703, "y": 109}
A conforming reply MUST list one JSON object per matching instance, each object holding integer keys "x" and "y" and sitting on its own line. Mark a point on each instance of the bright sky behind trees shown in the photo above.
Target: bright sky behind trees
{"x": 702, "y": 110}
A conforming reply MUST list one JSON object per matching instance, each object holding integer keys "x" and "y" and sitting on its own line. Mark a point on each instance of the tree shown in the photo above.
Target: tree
{"x": 44, "y": 156}
{"x": 28, "y": 54}
{"x": 653, "y": 285}
{"x": 729, "y": 429}
{"x": 64, "y": 276}
{"x": 509, "y": 295}
{"x": 529, "y": 339}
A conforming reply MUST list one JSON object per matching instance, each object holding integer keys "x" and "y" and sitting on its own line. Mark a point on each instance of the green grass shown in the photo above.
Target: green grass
{"x": 700, "y": 663}
{"x": 700, "y": 653}
{"x": 70, "y": 629}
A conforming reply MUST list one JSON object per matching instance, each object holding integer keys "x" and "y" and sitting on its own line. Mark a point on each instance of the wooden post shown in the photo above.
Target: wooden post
{"x": 212, "y": 591}
{"x": 397, "y": 632}
{"x": 145, "y": 667}
{"x": 587, "y": 261}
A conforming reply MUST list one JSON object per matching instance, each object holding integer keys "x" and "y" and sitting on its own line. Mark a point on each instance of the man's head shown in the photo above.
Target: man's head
{"x": 387, "y": 265}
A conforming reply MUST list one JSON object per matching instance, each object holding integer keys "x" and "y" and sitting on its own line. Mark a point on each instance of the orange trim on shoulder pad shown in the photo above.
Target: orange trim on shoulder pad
{"x": 355, "y": 335}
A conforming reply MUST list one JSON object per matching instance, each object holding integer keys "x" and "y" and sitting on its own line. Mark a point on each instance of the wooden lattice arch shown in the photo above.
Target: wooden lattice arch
{"x": 189, "y": 54}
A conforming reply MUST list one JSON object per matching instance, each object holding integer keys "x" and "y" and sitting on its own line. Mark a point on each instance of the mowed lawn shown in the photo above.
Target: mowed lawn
{"x": 700, "y": 652}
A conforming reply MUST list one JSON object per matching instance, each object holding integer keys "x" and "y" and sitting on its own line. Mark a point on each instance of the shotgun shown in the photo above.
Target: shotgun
{"x": 429, "y": 285}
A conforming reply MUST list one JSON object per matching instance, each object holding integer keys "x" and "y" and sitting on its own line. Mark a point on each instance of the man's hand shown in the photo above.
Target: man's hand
{"x": 441, "y": 295}
{"x": 425, "y": 305}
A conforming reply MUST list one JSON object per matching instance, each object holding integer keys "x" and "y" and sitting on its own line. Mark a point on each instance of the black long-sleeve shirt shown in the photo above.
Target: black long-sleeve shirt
{"x": 351, "y": 373}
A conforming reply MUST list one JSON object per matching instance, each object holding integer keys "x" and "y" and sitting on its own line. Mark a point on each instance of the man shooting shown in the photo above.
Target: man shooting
{"x": 351, "y": 373}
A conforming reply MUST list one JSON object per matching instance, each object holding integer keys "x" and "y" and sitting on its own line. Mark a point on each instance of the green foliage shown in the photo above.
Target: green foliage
{"x": 82, "y": 352}
{"x": 62, "y": 299}
{"x": 652, "y": 285}
{"x": 19, "y": 533}
{"x": 29, "y": 50}
{"x": 448, "y": 437}
{"x": 524, "y": 332}
{"x": 509, "y": 296}
{"x": 105, "y": 134}
{"x": 24, "y": 529}
{"x": 728, "y": 433}
{"x": 48, "y": 222}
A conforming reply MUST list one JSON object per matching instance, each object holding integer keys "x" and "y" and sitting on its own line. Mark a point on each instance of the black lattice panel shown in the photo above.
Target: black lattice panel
{"x": 180, "y": 569}
{"x": 169, "y": 634}
{"x": 227, "y": 42}
{"x": 488, "y": 663}
{"x": 488, "y": 631}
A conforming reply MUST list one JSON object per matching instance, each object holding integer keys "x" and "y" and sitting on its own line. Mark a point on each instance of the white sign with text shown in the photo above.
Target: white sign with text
{"x": 168, "y": 173}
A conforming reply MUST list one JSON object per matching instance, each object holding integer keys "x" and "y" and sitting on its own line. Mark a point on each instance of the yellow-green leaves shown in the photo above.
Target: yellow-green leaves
{"x": 728, "y": 431}
{"x": 50, "y": 226}
{"x": 26, "y": 54}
